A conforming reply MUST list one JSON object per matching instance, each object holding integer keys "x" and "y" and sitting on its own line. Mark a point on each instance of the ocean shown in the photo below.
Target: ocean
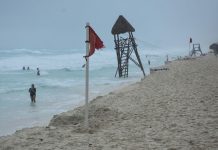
{"x": 60, "y": 86}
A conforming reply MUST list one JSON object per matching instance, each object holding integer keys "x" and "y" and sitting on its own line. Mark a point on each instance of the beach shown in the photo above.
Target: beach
{"x": 174, "y": 109}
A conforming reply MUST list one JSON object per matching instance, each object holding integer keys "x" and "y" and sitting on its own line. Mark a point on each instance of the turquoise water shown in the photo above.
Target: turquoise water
{"x": 60, "y": 86}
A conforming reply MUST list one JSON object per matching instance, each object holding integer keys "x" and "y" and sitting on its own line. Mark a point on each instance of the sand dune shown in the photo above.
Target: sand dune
{"x": 173, "y": 109}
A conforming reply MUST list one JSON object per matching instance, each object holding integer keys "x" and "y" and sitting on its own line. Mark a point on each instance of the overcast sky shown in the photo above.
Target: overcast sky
{"x": 60, "y": 24}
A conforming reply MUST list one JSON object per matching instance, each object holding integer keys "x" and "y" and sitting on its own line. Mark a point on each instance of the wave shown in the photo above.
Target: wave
{"x": 22, "y": 51}
{"x": 66, "y": 69}
{"x": 54, "y": 83}
{"x": 44, "y": 83}
{"x": 7, "y": 90}
{"x": 58, "y": 60}
{"x": 33, "y": 52}
{"x": 63, "y": 59}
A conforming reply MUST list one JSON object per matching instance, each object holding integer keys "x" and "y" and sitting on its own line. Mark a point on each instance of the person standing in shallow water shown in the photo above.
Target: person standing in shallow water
{"x": 38, "y": 72}
{"x": 32, "y": 92}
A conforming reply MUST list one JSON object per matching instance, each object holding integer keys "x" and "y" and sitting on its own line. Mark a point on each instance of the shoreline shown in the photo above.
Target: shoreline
{"x": 80, "y": 103}
{"x": 170, "y": 109}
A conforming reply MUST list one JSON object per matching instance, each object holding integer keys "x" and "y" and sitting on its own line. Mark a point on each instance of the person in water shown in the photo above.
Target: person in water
{"x": 28, "y": 68}
{"x": 32, "y": 92}
{"x": 24, "y": 68}
{"x": 38, "y": 72}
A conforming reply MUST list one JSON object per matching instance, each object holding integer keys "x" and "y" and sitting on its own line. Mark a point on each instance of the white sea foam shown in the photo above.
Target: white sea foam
{"x": 59, "y": 61}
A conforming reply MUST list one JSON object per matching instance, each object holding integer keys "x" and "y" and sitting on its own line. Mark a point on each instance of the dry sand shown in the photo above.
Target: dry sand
{"x": 168, "y": 110}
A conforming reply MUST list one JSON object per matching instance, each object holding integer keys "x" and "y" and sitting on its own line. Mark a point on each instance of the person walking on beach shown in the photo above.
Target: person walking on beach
{"x": 38, "y": 72}
{"x": 32, "y": 92}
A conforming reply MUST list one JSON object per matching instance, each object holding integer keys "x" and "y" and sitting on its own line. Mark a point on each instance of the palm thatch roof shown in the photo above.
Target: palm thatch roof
{"x": 214, "y": 46}
{"x": 122, "y": 26}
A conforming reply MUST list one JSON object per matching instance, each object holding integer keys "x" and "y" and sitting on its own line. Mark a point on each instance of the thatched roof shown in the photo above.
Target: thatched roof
{"x": 214, "y": 46}
{"x": 122, "y": 26}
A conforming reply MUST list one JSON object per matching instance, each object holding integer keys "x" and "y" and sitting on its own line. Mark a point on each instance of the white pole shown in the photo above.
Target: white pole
{"x": 87, "y": 78}
{"x": 189, "y": 48}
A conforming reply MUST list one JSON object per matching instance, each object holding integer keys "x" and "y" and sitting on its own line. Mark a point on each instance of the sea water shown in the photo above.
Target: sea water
{"x": 61, "y": 84}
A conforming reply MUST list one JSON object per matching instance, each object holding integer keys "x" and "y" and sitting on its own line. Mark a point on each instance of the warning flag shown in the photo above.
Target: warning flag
{"x": 190, "y": 41}
{"x": 94, "y": 42}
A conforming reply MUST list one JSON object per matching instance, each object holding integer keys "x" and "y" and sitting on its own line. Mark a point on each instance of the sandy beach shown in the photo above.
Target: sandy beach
{"x": 175, "y": 109}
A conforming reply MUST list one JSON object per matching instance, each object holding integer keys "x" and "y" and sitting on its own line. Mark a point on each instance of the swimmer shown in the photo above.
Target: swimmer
{"x": 32, "y": 92}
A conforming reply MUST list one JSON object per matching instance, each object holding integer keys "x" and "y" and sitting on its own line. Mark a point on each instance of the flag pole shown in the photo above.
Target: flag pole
{"x": 87, "y": 79}
{"x": 190, "y": 41}
{"x": 189, "y": 48}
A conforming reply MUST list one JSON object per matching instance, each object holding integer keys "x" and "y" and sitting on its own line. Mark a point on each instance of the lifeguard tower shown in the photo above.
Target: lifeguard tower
{"x": 196, "y": 49}
{"x": 125, "y": 46}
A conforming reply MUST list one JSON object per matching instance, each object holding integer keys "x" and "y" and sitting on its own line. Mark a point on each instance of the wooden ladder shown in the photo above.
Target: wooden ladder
{"x": 124, "y": 62}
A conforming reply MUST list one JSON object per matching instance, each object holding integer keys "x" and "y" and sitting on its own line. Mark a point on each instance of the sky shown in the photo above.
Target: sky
{"x": 60, "y": 24}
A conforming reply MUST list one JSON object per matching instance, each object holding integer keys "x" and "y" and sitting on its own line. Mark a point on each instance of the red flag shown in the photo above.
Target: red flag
{"x": 190, "y": 41}
{"x": 95, "y": 42}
